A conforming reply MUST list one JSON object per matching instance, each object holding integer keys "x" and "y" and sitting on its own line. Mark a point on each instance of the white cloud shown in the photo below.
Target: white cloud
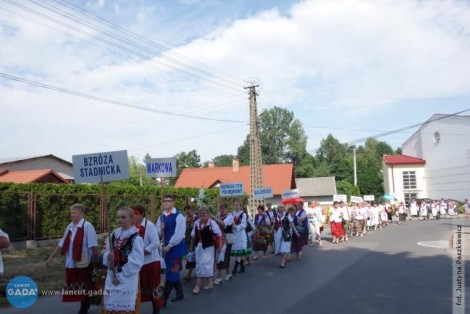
{"x": 343, "y": 63}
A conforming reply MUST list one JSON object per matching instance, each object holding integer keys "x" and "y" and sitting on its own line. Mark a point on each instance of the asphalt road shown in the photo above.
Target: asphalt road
{"x": 384, "y": 272}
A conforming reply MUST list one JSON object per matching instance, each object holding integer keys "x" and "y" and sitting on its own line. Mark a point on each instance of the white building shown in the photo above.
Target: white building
{"x": 404, "y": 177}
{"x": 444, "y": 143}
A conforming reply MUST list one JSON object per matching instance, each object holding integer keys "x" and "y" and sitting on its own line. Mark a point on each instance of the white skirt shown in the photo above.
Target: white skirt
{"x": 204, "y": 261}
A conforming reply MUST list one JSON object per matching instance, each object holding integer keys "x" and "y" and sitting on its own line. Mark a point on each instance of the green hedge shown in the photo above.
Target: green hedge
{"x": 53, "y": 202}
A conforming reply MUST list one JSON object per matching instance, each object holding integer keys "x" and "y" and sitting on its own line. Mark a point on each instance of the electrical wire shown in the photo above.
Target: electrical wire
{"x": 114, "y": 102}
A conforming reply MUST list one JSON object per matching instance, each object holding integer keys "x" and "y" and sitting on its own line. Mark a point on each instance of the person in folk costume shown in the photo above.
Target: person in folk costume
{"x": 239, "y": 248}
{"x": 345, "y": 217}
{"x": 435, "y": 209}
{"x": 250, "y": 227}
{"x": 149, "y": 277}
{"x": 336, "y": 222}
{"x": 202, "y": 244}
{"x": 383, "y": 216}
{"x": 359, "y": 220}
{"x": 315, "y": 220}
{"x": 4, "y": 244}
{"x": 287, "y": 229}
{"x": 296, "y": 237}
{"x": 414, "y": 207}
{"x": 466, "y": 204}
{"x": 172, "y": 227}
{"x": 122, "y": 293}
{"x": 262, "y": 225}
{"x": 302, "y": 227}
{"x": 401, "y": 212}
{"x": 277, "y": 230}
{"x": 271, "y": 215}
{"x": 423, "y": 210}
{"x": 190, "y": 260}
{"x": 78, "y": 244}
{"x": 225, "y": 221}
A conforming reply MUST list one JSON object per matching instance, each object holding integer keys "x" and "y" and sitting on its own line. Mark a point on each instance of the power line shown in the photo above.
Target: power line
{"x": 407, "y": 127}
{"x": 114, "y": 102}
{"x": 130, "y": 46}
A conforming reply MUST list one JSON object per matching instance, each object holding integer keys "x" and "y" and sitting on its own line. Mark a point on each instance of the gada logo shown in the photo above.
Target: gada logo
{"x": 22, "y": 292}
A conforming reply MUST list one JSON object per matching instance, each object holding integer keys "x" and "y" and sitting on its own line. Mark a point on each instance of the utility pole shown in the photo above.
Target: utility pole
{"x": 256, "y": 165}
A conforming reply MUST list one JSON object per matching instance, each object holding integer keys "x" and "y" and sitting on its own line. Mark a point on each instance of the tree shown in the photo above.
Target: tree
{"x": 137, "y": 174}
{"x": 186, "y": 160}
{"x": 282, "y": 138}
{"x": 338, "y": 157}
{"x": 224, "y": 160}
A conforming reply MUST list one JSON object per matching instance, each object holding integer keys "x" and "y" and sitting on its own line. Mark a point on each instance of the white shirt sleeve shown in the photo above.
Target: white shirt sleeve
{"x": 228, "y": 221}
{"x": 215, "y": 228}
{"x": 152, "y": 240}
{"x": 91, "y": 239}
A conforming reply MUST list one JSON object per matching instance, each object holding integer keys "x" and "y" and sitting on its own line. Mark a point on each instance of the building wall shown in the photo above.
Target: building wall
{"x": 393, "y": 178}
{"x": 447, "y": 160}
{"x": 453, "y": 183}
{"x": 454, "y": 142}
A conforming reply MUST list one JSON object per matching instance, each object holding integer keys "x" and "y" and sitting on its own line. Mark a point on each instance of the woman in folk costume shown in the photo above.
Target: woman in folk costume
{"x": 336, "y": 222}
{"x": 414, "y": 207}
{"x": 401, "y": 212}
{"x": 240, "y": 244}
{"x": 190, "y": 260}
{"x": 149, "y": 277}
{"x": 202, "y": 244}
{"x": 277, "y": 230}
{"x": 302, "y": 227}
{"x": 78, "y": 244}
{"x": 261, "y": 235}
{"x": 250, "y": 229}
{"x": 285, "y": 221}
{"x": 423, "y": 210}
{"x": 124, "y": 265}
{"x": 225, "y": 221}
{"x": 171, "y": 226}
{"x": 296, "y": 239}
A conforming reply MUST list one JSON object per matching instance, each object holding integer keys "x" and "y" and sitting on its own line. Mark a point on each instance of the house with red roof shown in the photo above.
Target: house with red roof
{"x": 280, "y": 177}
{"x": 43, "y": 162}
{"x": 32, "y": 176}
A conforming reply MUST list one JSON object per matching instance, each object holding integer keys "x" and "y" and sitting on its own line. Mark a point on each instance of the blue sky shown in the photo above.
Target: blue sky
{"x": 157, "y": 70}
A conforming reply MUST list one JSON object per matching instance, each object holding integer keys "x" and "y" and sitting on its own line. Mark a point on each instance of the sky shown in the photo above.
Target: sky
{"x": 165, "y": 77}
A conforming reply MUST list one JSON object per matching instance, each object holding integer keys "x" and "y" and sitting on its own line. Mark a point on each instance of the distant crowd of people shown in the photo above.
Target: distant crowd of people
{"x": 144, "y": 260}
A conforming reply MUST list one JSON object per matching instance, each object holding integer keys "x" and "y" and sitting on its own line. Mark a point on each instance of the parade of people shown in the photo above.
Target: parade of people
{"x": 132, "y": 251}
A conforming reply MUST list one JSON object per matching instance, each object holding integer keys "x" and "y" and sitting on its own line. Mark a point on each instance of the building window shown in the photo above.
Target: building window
{"x": 409, "y": 180}
{"x": 409, "y": 197}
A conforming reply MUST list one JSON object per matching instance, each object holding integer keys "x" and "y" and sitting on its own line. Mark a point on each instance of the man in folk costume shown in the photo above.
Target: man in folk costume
{"x": 150, "y": 273}
{"x": 124, "y": 264}
{"x": 78, "y": 244}
{"x": 172, "y": 227}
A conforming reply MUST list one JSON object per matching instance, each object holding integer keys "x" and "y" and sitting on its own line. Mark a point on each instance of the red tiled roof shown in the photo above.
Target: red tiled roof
{"x": 402, "y": 160}
{"x": 30, "y": 176}
{"x": 279, "y": 177}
